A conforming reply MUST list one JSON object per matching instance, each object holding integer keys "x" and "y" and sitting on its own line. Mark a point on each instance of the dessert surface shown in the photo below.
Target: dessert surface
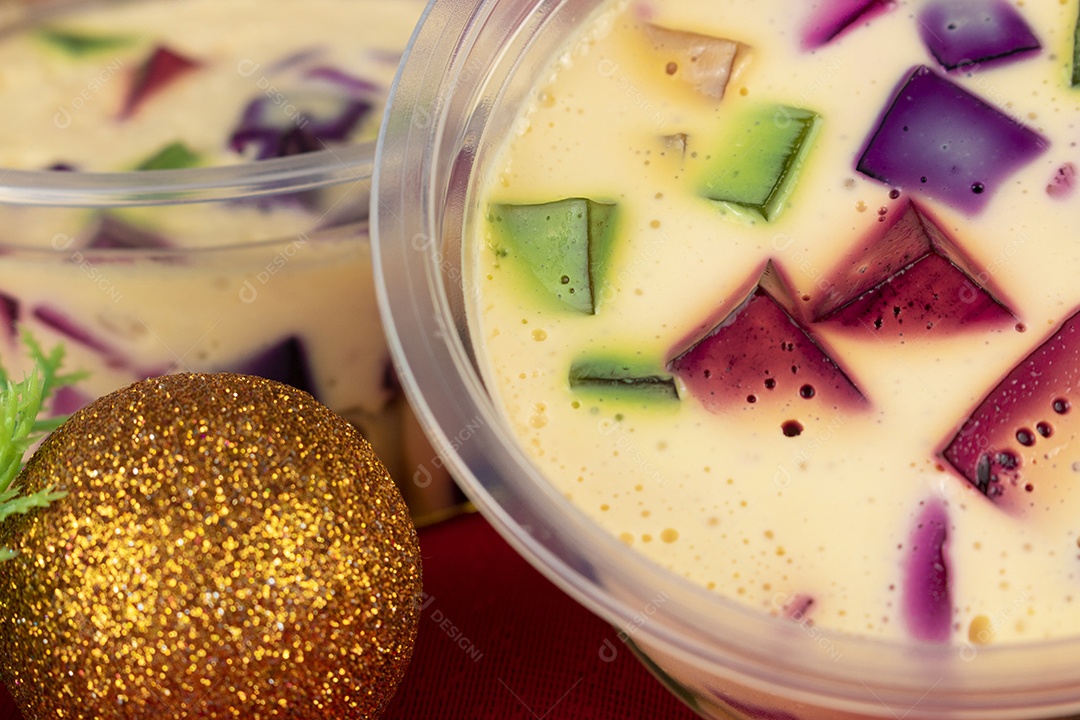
{"x": 784, "y": 300}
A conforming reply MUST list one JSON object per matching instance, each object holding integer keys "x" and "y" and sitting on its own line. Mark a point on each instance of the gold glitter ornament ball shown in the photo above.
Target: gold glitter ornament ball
{"x": 228, "y": 548}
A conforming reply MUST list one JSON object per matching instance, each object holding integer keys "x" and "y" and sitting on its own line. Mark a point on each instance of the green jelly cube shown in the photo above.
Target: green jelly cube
{"x": 566, "y": 244}
{"x": 618, "y": 379}
{"x": 173, "y": 156}
{"x": 1076, "y": 54}
{"x": 77, "y": 43}
{"x": 754, "y": 171}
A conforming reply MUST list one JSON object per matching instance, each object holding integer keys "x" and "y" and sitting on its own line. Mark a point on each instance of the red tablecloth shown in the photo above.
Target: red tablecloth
{"x": 497, "y": 640}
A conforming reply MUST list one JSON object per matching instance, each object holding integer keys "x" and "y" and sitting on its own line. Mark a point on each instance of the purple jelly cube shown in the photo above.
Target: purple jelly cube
{"x": 68, "y": 399}
{"x": 937, "y": 139}
{"x": 964, "y": 33}
{"x": 264, "y": 131}
{"x": 391, "y": 384}
{"x": 838, "y": 16}
{"x": 286, "y": 361}
{"x": 80, "y": 334}
{"x": 113, "y": 233}
{"x": 927, "y": 605}
{"x": 741, "y": 709}
{"x": 9, "y": 315}
{"x": 348, "y": 85}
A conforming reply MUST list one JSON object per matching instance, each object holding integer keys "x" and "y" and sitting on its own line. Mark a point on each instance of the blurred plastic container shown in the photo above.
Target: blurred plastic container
{"x": 188, "y": 192}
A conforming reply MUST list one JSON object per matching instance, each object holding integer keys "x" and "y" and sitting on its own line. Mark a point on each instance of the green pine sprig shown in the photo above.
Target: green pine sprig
{"x": 20, "y": 427}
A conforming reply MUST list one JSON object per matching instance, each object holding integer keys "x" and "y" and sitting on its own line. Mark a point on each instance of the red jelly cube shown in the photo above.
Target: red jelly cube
{"x": 759, "y": 355}
{"x": 911, "y": 278}
{"x": 1018, "y": 446}
{"x": 163, "y": 67}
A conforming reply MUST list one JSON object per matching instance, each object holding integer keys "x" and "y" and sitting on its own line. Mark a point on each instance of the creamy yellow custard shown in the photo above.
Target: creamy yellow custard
{"x": 819, "y": 520}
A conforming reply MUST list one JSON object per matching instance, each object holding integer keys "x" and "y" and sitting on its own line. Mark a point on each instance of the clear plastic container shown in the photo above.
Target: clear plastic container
{"x": 463, "y": 80}
{"x": 253, "y": 296}
{"x": 254, "y": 266}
